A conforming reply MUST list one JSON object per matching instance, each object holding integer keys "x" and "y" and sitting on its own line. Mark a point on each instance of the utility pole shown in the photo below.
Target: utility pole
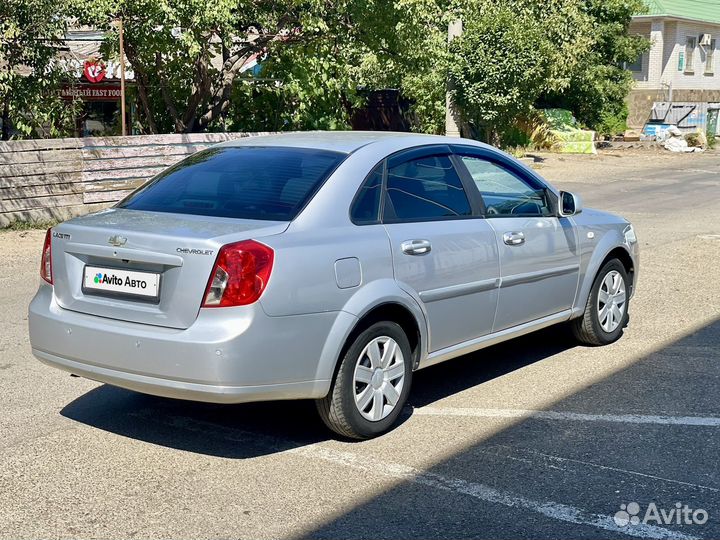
{"x": 122, "y": 77}
{"x": 452, "y": 128}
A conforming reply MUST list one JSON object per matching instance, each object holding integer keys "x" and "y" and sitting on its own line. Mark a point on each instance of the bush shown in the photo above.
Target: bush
{"x": 612, "y": 124}
{"x": 530, "y": 131}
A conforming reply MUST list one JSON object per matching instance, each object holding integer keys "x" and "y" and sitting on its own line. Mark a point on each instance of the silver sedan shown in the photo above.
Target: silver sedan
{"x": 326, "y": 266}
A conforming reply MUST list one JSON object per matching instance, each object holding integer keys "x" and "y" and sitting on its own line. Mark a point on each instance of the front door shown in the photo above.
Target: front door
{"x": 442, "y": 250}
{"x": 539, "y": 256}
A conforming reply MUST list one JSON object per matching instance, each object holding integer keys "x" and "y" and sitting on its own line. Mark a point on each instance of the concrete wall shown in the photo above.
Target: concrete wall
{"x": 640, "y": 102}
{"x": 47, "y": 179}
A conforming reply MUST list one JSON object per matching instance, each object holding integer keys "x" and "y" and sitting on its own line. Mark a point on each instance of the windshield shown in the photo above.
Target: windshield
{"x": 249, "y": 182}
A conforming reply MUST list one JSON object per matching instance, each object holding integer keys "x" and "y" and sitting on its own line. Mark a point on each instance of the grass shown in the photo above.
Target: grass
{"x": 30, "y": 225}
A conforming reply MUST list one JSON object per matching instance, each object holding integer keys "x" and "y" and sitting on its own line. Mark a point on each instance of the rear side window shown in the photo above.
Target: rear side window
{"x": 366, "y": 207}
{"x": 424, "y": 189}
{"x": 271, "y": 183}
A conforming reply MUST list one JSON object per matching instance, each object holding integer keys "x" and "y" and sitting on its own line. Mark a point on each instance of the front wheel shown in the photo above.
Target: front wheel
{"x": 371, "y": 384}
{"x": 606, "y": 311}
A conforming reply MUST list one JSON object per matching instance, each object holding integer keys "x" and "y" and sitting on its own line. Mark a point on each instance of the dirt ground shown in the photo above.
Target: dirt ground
{"x": 627, "y": 163}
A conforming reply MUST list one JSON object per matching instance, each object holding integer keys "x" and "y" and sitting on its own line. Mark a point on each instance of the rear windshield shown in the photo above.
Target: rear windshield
{"x": 271, "y": 183}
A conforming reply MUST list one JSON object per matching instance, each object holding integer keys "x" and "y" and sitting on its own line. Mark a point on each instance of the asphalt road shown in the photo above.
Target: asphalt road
{"x": 537, "y": 438}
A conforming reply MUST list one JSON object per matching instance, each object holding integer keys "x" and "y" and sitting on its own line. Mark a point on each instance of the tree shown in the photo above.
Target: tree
{"x": 511, "y": 52}
{"x": 599, "y": 83}
{"x": 188, "y": 55}
{"x": 31, "y": 31}
{"x": 379, "y": 44}
{"x": 190, "y": 58}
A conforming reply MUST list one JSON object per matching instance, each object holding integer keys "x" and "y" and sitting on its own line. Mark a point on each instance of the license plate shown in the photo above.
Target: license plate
{"x": 124, "y": 282}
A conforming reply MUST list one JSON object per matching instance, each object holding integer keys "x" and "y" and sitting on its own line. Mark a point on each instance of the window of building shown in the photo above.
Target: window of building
{"x": 690, "y": 44}
{"x": 710, "y": 58}
{"x": 635, "y": 66}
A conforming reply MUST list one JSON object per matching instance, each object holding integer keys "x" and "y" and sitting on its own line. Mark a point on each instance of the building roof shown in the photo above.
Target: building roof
{"x": 695, "y": 10}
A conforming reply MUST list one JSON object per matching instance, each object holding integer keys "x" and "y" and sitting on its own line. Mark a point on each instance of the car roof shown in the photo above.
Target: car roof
{"x": 340, "y": 141}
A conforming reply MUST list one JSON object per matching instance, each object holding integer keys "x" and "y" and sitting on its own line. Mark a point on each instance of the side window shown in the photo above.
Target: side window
{"x": 366, "y": 207}
{"x": 504, "y": 193}
{"x": 425, "y": 188}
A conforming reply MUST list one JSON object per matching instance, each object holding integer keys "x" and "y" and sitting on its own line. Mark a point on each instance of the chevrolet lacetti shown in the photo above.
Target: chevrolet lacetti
{"x": 325, "y": 266}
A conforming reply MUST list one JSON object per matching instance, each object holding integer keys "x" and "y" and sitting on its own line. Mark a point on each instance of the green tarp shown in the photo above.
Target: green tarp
{"x": 573, "y": 140}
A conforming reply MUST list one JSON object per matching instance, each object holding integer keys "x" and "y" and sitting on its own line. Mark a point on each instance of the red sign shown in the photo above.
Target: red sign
{"x": 94, "y": 71}
{"x": 90, "y": 92}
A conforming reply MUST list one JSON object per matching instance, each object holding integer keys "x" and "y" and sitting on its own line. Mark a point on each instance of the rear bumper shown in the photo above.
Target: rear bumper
{"x": 229, "y": 355}
{"x": 213, "y": 393}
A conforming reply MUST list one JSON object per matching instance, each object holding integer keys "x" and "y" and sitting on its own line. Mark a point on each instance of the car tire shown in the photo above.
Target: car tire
{"x": 593, "y": 328}
{"x": 361, "y": 375}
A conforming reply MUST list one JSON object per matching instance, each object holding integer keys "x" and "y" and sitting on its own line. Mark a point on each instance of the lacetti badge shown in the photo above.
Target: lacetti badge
{"x": 112, "y": 279}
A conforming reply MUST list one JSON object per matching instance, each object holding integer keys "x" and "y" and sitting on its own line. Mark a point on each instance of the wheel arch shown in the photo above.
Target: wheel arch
{"x": 393, "y": 312}
{"x": 366, "y": 308}
{"x": 610, "y": 247}
{"x": 621, "y": 254}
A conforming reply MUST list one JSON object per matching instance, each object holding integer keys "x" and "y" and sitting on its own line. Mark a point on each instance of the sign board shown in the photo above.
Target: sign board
{"x": 91, "y": 92}
{"x": 94, "y": 71}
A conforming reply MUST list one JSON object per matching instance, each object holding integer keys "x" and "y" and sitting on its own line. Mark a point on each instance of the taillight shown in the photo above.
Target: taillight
{"x": 46, "y": 260}
{"x": 240, "y": 274}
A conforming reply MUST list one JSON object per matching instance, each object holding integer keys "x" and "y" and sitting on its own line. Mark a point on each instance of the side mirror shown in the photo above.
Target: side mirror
{"x": 570, "y": 204}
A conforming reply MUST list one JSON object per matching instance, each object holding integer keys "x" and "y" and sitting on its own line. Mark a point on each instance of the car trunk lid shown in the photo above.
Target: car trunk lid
{"x": 99, "y": 259}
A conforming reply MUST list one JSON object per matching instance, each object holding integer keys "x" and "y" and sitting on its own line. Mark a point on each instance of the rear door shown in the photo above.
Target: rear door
{"x": 442, "y": 249}
{"x": 539, "y": 256}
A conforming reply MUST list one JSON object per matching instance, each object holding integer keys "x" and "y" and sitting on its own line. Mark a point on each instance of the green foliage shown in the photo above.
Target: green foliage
{"x": 599, "y": 84}
{"x": 612, "y": 124}
{"x": 30, "y": 225}
{"x": 531, "y": 131}
{"x": 30, "y": 32}
{"x": 187, "y": 55}
{"x": 510, "y": 53}
{"x": 321, "y": 58}
{"x": 409, "y": 51}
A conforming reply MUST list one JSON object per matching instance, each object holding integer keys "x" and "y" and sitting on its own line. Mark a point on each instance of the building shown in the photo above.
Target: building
{"x": 96, "y": 83}
{"x": 678, "y": 81}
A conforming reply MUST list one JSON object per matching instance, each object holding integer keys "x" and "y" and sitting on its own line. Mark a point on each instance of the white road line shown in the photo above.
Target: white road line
{"x": 315, "y": 451}
{"x": 553, "y": 510}
{"x": 549, "y": 458}
{"x": 709, "y": 421}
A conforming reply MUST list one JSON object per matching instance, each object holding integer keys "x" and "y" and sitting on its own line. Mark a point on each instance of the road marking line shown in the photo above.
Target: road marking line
{"x": 559, "y": 459}
{"x": 553, "y": 510}
{"x": 315, "y": 451}
{"x": 709, "y": 421}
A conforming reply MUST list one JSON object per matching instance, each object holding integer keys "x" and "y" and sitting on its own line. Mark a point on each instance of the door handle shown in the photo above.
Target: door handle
{"x": 416, "y": 247}
{"x": 514, "y": 238}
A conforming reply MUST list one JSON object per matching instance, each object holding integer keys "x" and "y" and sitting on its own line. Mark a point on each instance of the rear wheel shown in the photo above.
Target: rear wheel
{"x": 606, "y": 311}
{"x": 371, "y": 384}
